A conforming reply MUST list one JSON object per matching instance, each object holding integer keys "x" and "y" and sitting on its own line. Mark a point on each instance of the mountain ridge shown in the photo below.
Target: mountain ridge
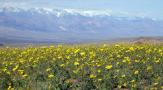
{"x": 61, "y": 12}
{"x": 70, "y": 25}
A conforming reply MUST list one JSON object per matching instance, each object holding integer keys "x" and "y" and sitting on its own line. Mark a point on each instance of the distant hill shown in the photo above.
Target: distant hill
{"x": 67, "y": 25}
{"x": 1, "y": 44}
{"x": 142, "y": 40}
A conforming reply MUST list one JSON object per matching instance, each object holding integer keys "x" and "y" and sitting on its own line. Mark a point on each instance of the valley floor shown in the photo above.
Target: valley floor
{"x": 82, "y": 67}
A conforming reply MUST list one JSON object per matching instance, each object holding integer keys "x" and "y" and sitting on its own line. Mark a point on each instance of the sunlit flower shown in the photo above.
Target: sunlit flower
{"x": 131, "y": 48}
{"x": 99, "y": 79}
{"x": 62, "y": 65}
{"x": 25, "y": 76}
{"x": 157, "y": 61}
{"x": 108, "y": 67}
{"x": 82, "y": 53}
{"x": 15, "y": 68}
{"x": 50, "y": 76}
{"x": 92, "y": 76}
{"x": 76, "y": 63}
{"x": 133, "y": 81}
{"x": 48, "y": 69}
{"x": 117, "y": 45}
{"x": 123, "y": 76}
{"x": 136, "y": 72}
{"x": 21, "y": 72}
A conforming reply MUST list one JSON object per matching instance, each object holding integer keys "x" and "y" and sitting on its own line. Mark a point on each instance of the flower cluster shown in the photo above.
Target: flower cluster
{"x": 82, "y": 67}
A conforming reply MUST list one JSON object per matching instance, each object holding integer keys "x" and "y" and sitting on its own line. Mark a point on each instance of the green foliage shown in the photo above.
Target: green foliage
{"x": 82, "y": 67}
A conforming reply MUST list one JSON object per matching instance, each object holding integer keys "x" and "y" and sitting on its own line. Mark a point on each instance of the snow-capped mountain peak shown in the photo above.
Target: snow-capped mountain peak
{"x": 62, "y": 12}
{"x": 86, "y": 13}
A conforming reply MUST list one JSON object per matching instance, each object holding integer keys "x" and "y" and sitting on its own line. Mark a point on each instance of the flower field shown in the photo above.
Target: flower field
{"x": 97, "y": 67}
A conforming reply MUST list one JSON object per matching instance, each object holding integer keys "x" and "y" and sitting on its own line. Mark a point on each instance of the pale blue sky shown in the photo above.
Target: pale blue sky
{"x": 149, "y": 8}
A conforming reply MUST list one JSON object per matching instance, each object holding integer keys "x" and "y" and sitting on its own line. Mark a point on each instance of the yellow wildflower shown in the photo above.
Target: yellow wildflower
{"x": 62, "y": 65}
{"x": 51, "y": 76}
{"x": 25, "y": 75}
{"x": 92, "y": 76}
{"x": 21, "y": 72}
{"x": 149, "y": 68}
{"x": 14, "y": 69}
{"x": 48, "y": 69}
{"x": 125, "y": 84}
{"x": 82, "y": 53}
{"x": 131, "y": 49}
{"x": 108, "y": 67}
{"x": 119, "y": 86}
{"x": 117, "y": 45}
{"x": 99, "y": 79}
{"x": 157, "y": 61}
{"x": 77, "y": 50}
{"x": 123, "y": 75}
{"x": 136, "y": 72}
{"x": 155, "y": 84}
{"x": 10, "y": 88}
{"x": 161, "y": 87}
{"x": 133, "y": 81}
{"x": 99, "y": 71}
{"x": 76, "y": 63}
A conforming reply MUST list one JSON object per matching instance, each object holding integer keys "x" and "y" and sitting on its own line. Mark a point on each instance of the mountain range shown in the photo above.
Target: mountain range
{"x": 70, "y": 25}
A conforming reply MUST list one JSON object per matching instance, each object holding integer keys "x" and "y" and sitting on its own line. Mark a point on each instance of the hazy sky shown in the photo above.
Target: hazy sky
{"x": 149, "y": 8}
